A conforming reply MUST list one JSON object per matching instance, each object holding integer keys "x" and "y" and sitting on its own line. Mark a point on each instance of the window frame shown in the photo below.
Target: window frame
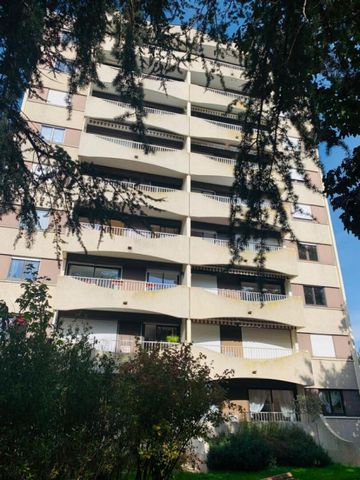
{"x": 23, "y": 272}
{"x": 328, "y": 391}
{"x": 313, "y": 287}
{"x": 306, "y": 248}
{"x": 300, "y": 212}
{"x": 55, "y": 103}
{"x": 53, "y": 130}
{"x": 120, "y": 270}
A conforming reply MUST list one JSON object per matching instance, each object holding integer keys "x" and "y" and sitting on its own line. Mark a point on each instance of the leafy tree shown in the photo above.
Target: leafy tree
{"x": 170, "y": 399}
{"x": 56, "y": 419}
{"x": 66, "y": 413}
{"x": 301, "y": 65}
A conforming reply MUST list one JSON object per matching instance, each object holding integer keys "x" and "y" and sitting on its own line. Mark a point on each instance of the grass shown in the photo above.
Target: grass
{"x": 333, "y": 472}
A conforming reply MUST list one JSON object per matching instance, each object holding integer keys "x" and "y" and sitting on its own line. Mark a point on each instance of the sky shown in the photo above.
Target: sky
{"x": 348, "y": 247}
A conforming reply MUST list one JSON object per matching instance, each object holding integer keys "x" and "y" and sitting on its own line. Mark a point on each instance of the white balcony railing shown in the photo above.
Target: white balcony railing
{"x": 219, "y": 63}
{"x": 229, "y": 126}
{"x": 252, "y": 353}
{"x": 227, "y": 161}
{"x": 147, "y": 188}
{"x": 225, "y": 199}
{"x": 120, "y": 284}
{"x": 250, "y": 246}
{"x": 136, "y": 145}
{"x": 128, "y": 232}
{"x": 156, "y": 111}
{"x": 276, "y": 417}
{"x": 248, "y": 296}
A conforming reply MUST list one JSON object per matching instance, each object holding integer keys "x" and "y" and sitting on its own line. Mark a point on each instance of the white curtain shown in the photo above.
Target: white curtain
{"x": 257, "y": 400}
{"x": 286, "y": 403}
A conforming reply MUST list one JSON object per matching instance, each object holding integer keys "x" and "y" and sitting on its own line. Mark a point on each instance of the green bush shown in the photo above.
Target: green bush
{"x": 172, "y": 339}
{"x": 294, "y": 447}
{"x": 255, "y": 447}
{"x": 245, "y": 450}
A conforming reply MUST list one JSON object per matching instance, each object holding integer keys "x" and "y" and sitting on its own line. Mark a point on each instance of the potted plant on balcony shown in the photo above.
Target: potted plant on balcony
{"x": 172, "y": 339}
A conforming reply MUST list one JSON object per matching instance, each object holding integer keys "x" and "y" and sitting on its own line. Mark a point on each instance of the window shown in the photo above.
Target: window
{"x": 43, "y": 219}
{"x": 296, "y": 176}
{"x": 57, "y": 98}
{"x": 332, "y": 402}
{"x": 159, "y": 229}
{"x": 62, "y": 67}
{"x": 52, "y": 134}
{"x": 161, "y": 277}
{"x": 195, "y": 232}
{"x": 159, "y": 333}
{"x": 94, "y": 271}
{"x": 308, "y": 251}
{"x": 314, "y": 295}
{"x": 322, "y": 345}
{"x": 23, "y": 268}
{"x": 302, "y": 211}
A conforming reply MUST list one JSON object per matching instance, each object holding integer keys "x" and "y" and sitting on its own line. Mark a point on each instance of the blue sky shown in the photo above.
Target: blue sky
{"x": 348, "y": 247}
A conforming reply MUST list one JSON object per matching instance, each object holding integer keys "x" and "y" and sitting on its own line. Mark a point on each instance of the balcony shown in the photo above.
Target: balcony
{"x": 215, "y": 97}
{"x": 152, "y": 85}
{"x": 294, "y": 367}
{"x": 214, "y": 130}
{"x": 127, "y": 154}
{"x": 130, "y": 243}
{"x": 214, "y": 251}
{"x": 77, "y": 293}
{"x": 224, "y": 303}
{"x": 212, "y": 169}
{"x": 156, "y": 117}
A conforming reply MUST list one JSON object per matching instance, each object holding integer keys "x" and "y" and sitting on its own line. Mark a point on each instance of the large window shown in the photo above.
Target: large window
{"x": 23, "y": 268}
{"x": 53, "y": 134}
{"x": 162, "y": 277}
{"x": 314, "y": 295}
{"x": 78, "y": 270}
{"x": 296, "y": 176}
{"x": 159, "y": 333}
{"x": 307, "y": 251}
{"x": 332, "y": 402}
{"x": 264, "y": 402}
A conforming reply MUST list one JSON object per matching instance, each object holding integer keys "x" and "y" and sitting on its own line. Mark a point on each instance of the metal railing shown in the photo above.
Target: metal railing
{"x": 247, "y": 296}
{"x": 225, "y": 199}
{"x": 250, "y": 246}
{"x": 157, "y": 111}
{"x": 129, "y": 232}
{"x": 225, "y": 64}
{"x": 146, "y": 188}
{"x": 253, "y": 353}
{"x": 133, "y": 144}
{"x": 228, "y": 161}
{"x": 130, "y": 346}
{"x": 227, "y": 93}
{"x": 120, "y": 284}
{"x": 229, "y": 126}
{"x": 267, "y": 417}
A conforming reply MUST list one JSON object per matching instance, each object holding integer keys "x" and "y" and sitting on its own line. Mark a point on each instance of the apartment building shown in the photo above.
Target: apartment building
{"x": 165, "y": 278}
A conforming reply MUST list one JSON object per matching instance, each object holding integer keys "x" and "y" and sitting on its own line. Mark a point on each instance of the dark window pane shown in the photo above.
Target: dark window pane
{"x": 312, "y": 253}
{"x": 103, "y": 272}
{"x": 336, "y": 402}
{"x": 302, "y": 251}
{"x": 81, "y": 270}
{"x": 309, "y": 295}
{"x": 325, "y": 402}
{"x": 319, "y": 296}
{"x": 31, "y": 269}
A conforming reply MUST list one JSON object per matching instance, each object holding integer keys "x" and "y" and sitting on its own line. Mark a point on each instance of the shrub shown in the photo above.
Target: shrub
{"x": 294, "y": 447}
{"x": 245, "y": 450}
{"x": 254, "y": 447}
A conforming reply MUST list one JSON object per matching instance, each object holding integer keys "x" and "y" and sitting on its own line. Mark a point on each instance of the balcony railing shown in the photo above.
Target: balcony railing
{"x": 250, "y": 246}
{"x": 156, "y": 111}
{"x": 252, "y": 353}
{"x": 268, "y": 417}
{"x": 228, "y": 94}
{"x": 229, "y": 126}
{"x": 147, "y": 188}
{"x": 120, "y": 284}
{"x": 136, "y": 145}
{"x": 248, "y": 296}
{"x": 128, "y": 232}
{"x": 218, "y": 63}
{"x": 228, "y": 161}
{"x": 242, "y": 202}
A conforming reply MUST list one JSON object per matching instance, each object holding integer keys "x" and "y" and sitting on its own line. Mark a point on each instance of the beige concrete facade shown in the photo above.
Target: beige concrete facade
{"x": 192, "y": 247}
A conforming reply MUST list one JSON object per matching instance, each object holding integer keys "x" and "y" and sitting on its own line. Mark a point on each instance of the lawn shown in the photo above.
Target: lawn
{"x": 333, "y": 472}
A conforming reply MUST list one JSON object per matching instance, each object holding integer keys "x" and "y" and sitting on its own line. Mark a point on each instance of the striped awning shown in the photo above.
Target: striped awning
{"x": 235, "y": 322}
{"x": 238, "y": 271}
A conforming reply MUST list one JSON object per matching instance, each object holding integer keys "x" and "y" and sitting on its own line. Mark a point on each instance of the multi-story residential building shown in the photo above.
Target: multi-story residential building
{"x": 167, "y": 274}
